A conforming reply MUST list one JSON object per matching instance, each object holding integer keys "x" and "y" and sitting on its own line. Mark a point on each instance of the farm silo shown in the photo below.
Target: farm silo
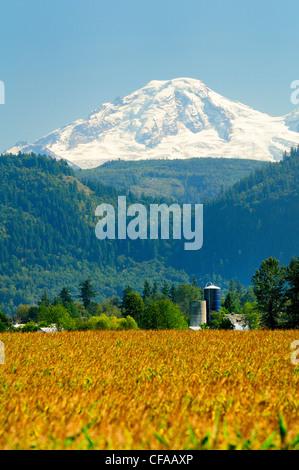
{"x": 212, "y": 296}
{"x": 198, "y": 314}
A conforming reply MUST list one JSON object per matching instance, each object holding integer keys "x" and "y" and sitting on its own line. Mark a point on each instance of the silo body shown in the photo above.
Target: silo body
{"x": 198, "y": 313}
{"x": 212, "y": 296}
{"x": 203, "y": 312}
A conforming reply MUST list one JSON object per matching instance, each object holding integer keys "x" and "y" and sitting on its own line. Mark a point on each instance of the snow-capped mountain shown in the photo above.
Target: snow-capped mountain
{"x": 179, "y": 118}
{"x": 292, "y": 120}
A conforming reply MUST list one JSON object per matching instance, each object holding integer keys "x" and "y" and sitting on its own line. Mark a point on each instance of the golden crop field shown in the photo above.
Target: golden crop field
{"x": 154, "y": 390}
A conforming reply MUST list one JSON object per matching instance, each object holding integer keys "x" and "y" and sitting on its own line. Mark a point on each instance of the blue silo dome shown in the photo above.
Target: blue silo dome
{"x": 212, "y": 296}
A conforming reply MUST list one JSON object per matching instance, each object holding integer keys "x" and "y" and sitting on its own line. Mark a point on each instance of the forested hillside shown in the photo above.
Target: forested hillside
{"x": 255, "y": 219}
{"x": 188, "y": 181}
{"x": 47, "y": 237}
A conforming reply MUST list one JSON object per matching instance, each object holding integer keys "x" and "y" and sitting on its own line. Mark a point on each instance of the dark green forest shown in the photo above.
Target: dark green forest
{"x": 193, "y": 180}
{"x": 253, "y": 220}
{"x": 47, "y": 236}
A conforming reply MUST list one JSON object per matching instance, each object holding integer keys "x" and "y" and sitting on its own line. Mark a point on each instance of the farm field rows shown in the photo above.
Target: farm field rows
{"x": 132, "y": 390}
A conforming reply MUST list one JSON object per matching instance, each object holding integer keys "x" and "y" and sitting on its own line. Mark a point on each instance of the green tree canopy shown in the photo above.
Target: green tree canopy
{"x": 56, "y": 314}
{"x": 163, "y": 314}
{"x": 218, "y": 321}
{"x": 184, "y": 294}
{"x": 251, "y": 315}
{"x": 134, "y": 306}
{"x": 127, "y": 290}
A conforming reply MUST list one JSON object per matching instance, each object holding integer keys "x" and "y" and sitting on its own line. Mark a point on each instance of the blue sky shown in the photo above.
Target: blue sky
{"x": 60, "y": 59}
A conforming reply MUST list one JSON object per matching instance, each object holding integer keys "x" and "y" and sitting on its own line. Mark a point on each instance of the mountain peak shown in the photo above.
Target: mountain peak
{"x": 179, "y": 81}
{"x": 177, "y": 118}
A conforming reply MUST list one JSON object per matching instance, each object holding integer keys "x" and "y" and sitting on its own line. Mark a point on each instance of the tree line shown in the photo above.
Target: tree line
{"x": 272, "y": 301}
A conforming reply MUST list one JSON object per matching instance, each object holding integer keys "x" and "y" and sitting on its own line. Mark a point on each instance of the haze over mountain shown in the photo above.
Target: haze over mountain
{"x": 180, "y": 118}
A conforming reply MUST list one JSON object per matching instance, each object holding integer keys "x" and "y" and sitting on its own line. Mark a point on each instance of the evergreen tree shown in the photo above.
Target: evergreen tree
{"x": 173, "y": 293}
{"x": 45, "y": 299}
{"x": 165, "y": 289}
{"x": 87, "y": 292}
{"x": 229, "y": 303}
{"x": 146, "y": 293}
{"x": 269, "y": 288}
{"x": 4, "y": 322}
{"x": 248, "y": 295}
{"x": 232, "y": 289}
{"x": 239, "y": 290}
{"x": 127, "y": 290}
{"x": 65, "y": 295}
{"x": 155, "y": 290}
{"x": 239, "y": 295}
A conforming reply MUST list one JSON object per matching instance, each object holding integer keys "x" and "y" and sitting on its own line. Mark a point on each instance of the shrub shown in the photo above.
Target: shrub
{"x": 218, "y": 321}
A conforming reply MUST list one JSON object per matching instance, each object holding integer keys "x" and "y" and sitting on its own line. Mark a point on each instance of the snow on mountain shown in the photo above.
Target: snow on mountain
{"x": 179, "y": 118}
{"x": 292, "y": 120}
